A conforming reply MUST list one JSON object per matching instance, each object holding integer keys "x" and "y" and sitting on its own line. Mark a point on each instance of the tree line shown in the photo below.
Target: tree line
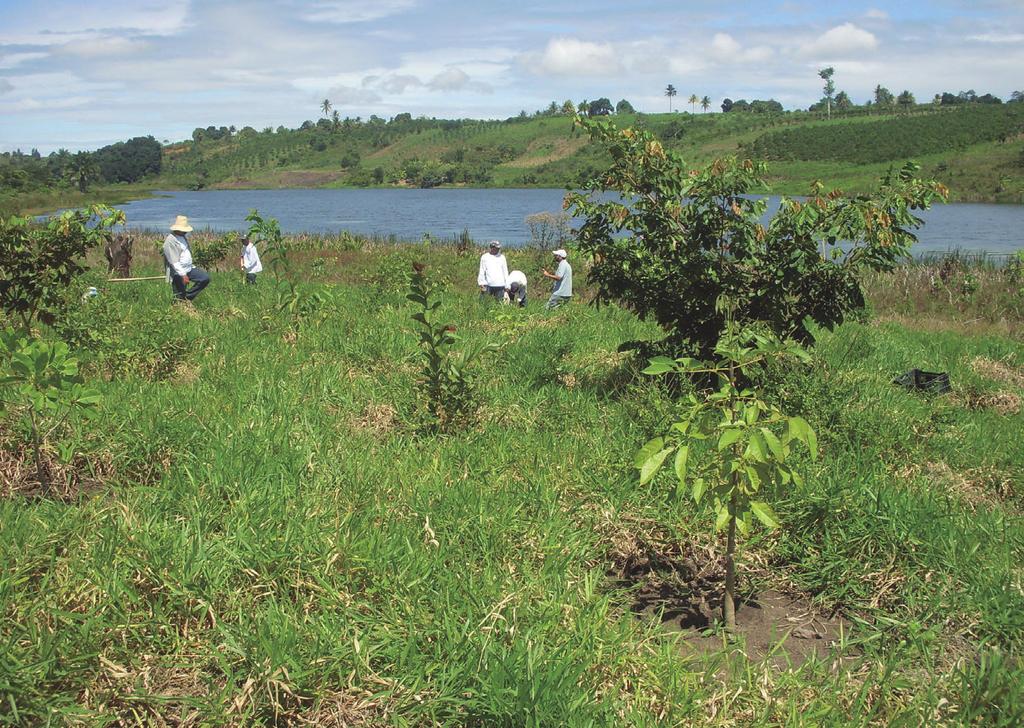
{"x": 129, "y": 161}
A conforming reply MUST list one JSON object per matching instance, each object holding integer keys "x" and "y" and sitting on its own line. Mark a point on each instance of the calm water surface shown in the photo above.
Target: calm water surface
{"x": 491, "y": 214}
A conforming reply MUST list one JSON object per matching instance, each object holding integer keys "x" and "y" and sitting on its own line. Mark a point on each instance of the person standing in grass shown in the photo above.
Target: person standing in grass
{"x": 516, "y": 288}
{"x": 562, "y": 289}
{"x": 493, "y": 275}
{"x": 178, "y": 263}
{"x": 250, "y": 261}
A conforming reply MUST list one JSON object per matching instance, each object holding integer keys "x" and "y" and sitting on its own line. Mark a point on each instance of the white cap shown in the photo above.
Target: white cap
{"x": 560, "y": 253}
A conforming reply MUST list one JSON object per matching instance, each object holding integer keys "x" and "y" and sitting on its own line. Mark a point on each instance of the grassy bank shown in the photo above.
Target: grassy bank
{"x": 43, "y": 201}
{"x": 256, "y": 531}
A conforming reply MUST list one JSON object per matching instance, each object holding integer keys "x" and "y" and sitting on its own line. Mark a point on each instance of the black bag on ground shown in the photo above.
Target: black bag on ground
{"x": 933, "y": 382}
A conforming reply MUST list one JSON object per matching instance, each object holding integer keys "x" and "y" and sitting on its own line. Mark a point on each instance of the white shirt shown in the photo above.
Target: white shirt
{"x": 251, "y": 259}
{"x": 516, "y": 276}
{"x": 178, "y": 254}
{"x": 493, "y": 270}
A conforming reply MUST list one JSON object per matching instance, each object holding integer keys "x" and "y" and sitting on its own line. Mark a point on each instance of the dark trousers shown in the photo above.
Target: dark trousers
{"x": 497, "y": 292}
{"x": 250, "y": 278}
{"x": 199, "y": 279}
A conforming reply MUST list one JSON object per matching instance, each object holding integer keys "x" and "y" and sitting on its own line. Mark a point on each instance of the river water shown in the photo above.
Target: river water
{"x": 492, "y": 214}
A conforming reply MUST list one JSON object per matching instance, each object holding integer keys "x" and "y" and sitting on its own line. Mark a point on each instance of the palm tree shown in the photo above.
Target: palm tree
{"x": 83, "y": 170}
{"x": 335, "y": 120}
{"x": 325, "y": 106}
{"x": 693, "y": 101}
{"x": 705, "y": 103}
{"x": 670, "y": 91}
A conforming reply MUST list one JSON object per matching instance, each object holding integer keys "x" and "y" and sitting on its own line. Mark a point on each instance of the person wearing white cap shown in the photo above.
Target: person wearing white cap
{"x": 493, "y": 275}
{"x": 178, "y": 263}
{"x": 562, "y": 289}
{"x": 516, "y": 288}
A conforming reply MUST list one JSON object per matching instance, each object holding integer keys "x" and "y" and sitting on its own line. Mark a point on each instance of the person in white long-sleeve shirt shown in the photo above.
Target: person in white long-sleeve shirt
{"x": 178, "y": 263}
{"x": 250, "y": 261}
{"x": 493, "y": 276}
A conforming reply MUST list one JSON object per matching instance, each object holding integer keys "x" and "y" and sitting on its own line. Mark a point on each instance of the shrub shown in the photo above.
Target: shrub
{"x": 675, "y": 241}
{"x": 39, "y": 262}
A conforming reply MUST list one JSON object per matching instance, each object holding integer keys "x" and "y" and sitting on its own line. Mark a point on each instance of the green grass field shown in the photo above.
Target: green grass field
{"x": 255, "y": 532}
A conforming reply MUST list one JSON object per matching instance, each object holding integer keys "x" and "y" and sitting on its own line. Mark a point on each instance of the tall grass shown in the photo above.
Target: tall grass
{"x": 274, "y": 543}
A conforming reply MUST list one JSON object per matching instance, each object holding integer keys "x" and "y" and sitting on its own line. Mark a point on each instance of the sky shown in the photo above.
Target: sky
{"x": 79, "y": 74}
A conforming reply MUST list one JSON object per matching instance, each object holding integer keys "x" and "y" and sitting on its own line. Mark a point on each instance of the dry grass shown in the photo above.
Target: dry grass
{"x": 58, "y": 480}
{"x": 998, "y": 371}
{"x": 980, "y": 487}
{"x": 1004, "y": 402}
{"x": 376, "y": 418}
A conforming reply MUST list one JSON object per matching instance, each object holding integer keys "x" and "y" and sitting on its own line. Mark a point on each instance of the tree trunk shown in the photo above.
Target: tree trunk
{"x": 119, "y": 255}
{"x": 729, "y": 602}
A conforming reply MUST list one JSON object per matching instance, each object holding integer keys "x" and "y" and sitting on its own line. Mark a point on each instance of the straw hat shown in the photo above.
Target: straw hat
{"x": 181, "y": 225}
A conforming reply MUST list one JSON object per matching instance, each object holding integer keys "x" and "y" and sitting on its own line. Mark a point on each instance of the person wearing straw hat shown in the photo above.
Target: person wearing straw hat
{"x": 562, "y": 289}
{"x": 178, "y": 263}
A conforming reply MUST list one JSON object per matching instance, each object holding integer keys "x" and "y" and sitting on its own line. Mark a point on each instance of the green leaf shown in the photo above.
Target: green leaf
{"x": 653, "y": 464}
{"x": 774, "y": 444}
{"x": 722, "y": 518}
{"x": 660, "y": 365}
{"x": 699, "y": 488}
{"x": 764, "y": 514}
{"x": 681, "y": 456}
{"x": 756, "y": 448}
{"x": 729, "y": 437}
{"x": 649, "y": 448}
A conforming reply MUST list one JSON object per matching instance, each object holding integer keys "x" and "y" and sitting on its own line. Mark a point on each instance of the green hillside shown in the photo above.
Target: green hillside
{"x": 977, "y": 150}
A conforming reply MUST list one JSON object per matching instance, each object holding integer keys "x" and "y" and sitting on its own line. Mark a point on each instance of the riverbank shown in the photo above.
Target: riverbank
{"x": 44, "y": 202}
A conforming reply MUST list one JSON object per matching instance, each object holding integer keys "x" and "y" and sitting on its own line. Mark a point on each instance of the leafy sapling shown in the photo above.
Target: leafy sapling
{"x": 750, "y": 442}
{"x": 445, "y": 381}
{"x": 41, "y": 380}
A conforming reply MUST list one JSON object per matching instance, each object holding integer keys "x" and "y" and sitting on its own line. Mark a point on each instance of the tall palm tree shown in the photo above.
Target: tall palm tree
{"x": 705, "y": 103}
{"x": 325, "y": 106}
{"x": 670, "y": 91}
{"x": 83, "y": 170}
{"x": 693, "y": 101}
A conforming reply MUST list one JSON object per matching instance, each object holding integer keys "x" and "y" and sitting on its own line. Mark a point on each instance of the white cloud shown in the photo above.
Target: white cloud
{"x": 5, "y": 86}
{"x": 998, "y": 38}
{"x": 355, "y": 11}
{"x": 104, "y": 47}
{"x": 51, "y": 104}
{"x": 842, "y": 40}
{"x": 876, "y": 14}
{"x": 13, "y": 60}
{"x": 724, "y": 45}
{"x": 57, "y": 22}
{"x": 397, "y": 83}
{"x": 451, "y": 80}
{"x": 573, "y": 57}
{"x": 351, "y": 96}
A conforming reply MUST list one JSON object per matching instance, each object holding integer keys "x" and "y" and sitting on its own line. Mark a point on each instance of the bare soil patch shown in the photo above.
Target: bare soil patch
{"x": 542, "y": 152}
{"x": 682, "y": 586}
{"x": 58, "y": 480}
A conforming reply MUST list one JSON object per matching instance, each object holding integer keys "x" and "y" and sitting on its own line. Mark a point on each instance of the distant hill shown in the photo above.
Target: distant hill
{"x": 978, "y": 151}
